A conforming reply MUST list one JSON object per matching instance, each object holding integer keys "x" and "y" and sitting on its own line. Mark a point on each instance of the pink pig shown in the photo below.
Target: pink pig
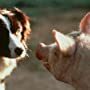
{"x": 68, "y": 59}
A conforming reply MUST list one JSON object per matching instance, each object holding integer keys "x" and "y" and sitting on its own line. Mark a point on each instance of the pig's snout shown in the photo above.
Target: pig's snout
{"x": 41, "y": 51}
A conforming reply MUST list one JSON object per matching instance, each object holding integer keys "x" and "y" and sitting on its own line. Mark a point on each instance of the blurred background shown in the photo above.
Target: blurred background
{"x": 63, "y": 15}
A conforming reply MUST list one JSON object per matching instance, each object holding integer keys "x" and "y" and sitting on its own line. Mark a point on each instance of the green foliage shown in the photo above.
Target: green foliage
{"x": 46, "y": 3}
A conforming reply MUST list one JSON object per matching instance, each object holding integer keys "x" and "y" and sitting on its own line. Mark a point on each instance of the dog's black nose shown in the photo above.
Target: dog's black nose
{"x": 18, "y": 51}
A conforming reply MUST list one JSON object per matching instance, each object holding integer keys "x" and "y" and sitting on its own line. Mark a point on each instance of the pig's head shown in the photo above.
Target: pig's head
{"x": 59, "y": 56}
{"x": 50, "y": 55}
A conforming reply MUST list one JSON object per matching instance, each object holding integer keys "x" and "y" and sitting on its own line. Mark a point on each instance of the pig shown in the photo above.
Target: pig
{"x": 68, "y": 58}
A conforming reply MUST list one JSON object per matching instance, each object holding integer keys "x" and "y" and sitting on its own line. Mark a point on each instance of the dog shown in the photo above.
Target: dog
{"x": 18, "y": 27}
{"x": 14, "y": 32}
{"x": 68, "y": 59}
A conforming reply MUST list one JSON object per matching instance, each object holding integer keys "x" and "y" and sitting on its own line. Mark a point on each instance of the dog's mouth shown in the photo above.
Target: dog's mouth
{"x": 26, "y": 52}
{"x": 24, "y": 55}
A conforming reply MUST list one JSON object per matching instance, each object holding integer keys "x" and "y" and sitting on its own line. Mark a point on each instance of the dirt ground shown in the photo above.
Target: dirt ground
{"x": 30, "y": 74}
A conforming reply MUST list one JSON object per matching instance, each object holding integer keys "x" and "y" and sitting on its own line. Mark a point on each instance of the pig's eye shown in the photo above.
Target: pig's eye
{"x": 56, "y": 53}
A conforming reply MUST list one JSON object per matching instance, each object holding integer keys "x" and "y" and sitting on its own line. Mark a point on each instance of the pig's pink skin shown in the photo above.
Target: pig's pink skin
{"x": 38, "y": 53}
{"x": 42, "y": 53}
{"x": 74, "y": 69}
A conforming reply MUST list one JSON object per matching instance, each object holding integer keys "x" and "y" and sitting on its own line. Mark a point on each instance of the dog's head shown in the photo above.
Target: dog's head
{"x": 14, "y": 30}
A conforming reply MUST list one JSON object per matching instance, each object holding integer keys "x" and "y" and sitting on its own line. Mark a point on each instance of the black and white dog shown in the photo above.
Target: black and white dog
{"x": 14, "y": 31}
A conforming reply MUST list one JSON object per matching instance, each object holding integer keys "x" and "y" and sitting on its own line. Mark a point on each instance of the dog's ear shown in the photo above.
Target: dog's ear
{"x": 20, "y": 15}
{"x": 85, "y": 23}
{"x": 17, "y": 9}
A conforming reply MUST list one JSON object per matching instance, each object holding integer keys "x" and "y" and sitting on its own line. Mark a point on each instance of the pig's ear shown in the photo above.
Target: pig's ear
{"x": 65, "y": 43}
{"x": 85, "y": 23}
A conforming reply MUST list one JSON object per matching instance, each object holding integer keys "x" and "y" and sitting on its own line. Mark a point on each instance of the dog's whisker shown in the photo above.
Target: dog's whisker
{"x": 27, "y": 55}
{"x": 29, "y": 50}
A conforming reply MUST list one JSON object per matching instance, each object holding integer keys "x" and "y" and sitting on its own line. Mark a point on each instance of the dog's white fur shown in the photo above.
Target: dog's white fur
{"x": 8, "y": 64}
{"x": 14, "y": 40}
{"x": 2, "y": 86}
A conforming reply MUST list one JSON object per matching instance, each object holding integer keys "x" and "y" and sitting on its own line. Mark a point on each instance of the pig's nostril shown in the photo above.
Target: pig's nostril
{"x": 18, "y": 51}
{"x": 39, "y": 54}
